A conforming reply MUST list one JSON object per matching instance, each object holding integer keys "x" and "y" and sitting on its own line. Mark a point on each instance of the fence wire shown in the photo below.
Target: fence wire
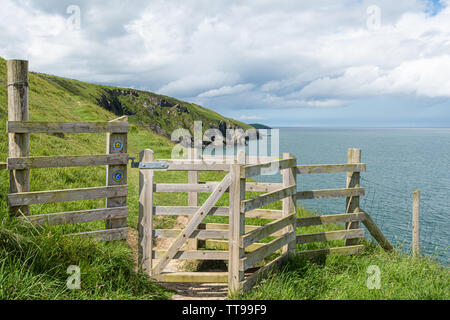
{"x": 391, "y": 208}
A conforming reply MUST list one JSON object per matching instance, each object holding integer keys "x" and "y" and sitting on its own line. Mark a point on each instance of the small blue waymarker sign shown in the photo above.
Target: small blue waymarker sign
{"x": 117, "y": 176}
{"x": 118, "y": 145}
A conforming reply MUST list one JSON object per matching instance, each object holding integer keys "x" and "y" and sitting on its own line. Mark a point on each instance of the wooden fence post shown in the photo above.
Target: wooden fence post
{"x": 116, "y": 174}
{"x": 19, "y": 143}
{"x": 237, "y": 225}
{"x": 145, "y": 224}
{"x": 289, "y": 203}
{"x": 193, "y": 196}
{"x": 415, "y": 223}
{"x": 352, "y": 203}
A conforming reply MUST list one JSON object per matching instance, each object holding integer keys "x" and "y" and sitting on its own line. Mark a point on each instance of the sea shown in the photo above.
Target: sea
{"x": 399, "y": 160}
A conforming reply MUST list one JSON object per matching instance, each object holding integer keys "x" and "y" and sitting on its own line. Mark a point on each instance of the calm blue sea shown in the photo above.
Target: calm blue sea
{"x": 398, "y": 161}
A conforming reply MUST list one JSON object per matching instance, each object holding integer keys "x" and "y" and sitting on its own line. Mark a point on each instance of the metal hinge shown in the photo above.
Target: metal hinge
{"x": 148, "y": 165}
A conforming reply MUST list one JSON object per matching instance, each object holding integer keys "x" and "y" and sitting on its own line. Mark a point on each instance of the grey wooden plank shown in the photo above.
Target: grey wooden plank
{"x": 78, "y": 216}
{"x": 66, "y": 127}
{"x": 29, "y": 198}
{"x": 66, "y": 161}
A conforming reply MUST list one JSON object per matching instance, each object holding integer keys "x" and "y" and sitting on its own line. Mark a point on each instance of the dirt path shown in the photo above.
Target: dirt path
{"x": 185, "y": 291}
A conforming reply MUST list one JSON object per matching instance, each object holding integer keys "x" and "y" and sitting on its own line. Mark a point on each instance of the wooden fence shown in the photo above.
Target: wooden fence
{"x": 19, "y": 164}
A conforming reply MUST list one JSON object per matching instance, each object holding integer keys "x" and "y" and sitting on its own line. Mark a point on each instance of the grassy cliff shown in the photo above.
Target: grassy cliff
{"x": 33, "y": 260}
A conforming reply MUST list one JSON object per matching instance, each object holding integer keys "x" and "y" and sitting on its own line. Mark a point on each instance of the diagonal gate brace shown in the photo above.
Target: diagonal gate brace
{"x": 198, "y": 217}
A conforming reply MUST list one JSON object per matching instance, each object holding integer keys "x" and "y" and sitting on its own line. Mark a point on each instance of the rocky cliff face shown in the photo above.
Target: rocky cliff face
{"x": 163, "y": 115}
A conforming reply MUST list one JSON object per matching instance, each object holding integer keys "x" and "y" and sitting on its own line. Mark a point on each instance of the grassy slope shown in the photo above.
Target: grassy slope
{"x": 33, "y": 261}
{"x": 142, "y": 107}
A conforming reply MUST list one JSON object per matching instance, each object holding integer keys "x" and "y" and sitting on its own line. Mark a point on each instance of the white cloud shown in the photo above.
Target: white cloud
{"x": 227, "y": 90}
{"x": 239, "y": 54}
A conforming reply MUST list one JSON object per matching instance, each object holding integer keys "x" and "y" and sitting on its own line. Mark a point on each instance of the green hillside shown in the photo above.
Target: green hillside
{"x": 159, "y": 113}
{"x": 33, "y": 260}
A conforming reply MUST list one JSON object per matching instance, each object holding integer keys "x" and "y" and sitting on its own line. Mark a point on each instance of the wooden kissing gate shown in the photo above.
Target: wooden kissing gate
{"x": 249, "y": 257}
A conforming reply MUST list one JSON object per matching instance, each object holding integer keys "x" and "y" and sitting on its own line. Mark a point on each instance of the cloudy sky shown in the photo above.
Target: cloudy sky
{"x": 282, "y": 63}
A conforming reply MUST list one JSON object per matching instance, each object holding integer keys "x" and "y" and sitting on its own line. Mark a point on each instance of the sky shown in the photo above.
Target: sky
{"x": 282, "y": 63}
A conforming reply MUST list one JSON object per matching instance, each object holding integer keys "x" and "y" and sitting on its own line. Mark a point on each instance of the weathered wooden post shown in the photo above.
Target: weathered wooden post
{"x": 145, "y": 224}
{"x": 290, "y": 203}
{"x": 19, "y": 143}
{"x": 237, "y": 225}
{"x": 193, "y": 196}
{"x": 352, "y": 203}
{"x": 116, "y": 174}
{"x": 415, "y": 222}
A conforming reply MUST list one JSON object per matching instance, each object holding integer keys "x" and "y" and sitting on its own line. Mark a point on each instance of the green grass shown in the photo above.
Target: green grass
{"x": 34, "y": 260}
{"x": 345, "y": 277}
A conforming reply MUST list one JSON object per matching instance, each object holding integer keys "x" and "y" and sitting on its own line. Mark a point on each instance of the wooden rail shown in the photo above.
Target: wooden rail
{"x": 331, "y": 193}
{"x": 266, "y": 230}
{"x": 194, "y": 165}
{"x": 256, "y": 256}
{"x": 192, "y": 277}
{"x": 197, "y": 234}
{"x": 66, "y": 127}
{"x": 194, "y": 255}
{"x": 329, "y": 219}
{"x": 78, "y": 216}
{"x": 105, "y": 235}
{"x": 209, "y": 187}
{"x": 67, "y": 161}
{"x": 258, "y": 169}
{"x": 330, "y": 235}
{"x": 376, "y": 232}
{"x": 268, "y": 198}
{"x": 181, "y": 211}
{"x": 331, "y": 168}
{"x": 311, "y": 254}
{"x": 29, "y": 198}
